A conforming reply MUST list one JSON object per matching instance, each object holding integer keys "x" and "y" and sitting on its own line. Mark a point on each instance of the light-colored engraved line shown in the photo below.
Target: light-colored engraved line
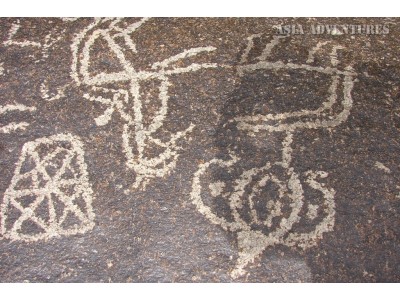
{"x": 250, "y": 46}
{"x": 216, "y": 188}
{"x": 75, "y": 49}
{"x": 41, "y": 164}
{"x": 126, "y": 76}
{"x": 27, "y": 213}
{"x": 147, "y": 167}
{"x": 138, "y": 119}
{"x": 1, "y": 69}
{"x": 82, "y": 186}
{"x": 116, "y": 49}
{"x": 14, "y": 126}
{"x": 101, "y": 99}
{"x": 312, "y": 211}
{"x": 51, "y": 189}
{"x": 279, "y": 65}
{"x": 152, "y": 162}
{"x": 113, "y": 25}
{"x": 16, "y": 107}
{"x": 112, "y": 105}
{"x": 287, "y": 150}
{"x": 160, "y": 115}
{"x": 70, "y": 207}
{"x": 52, "y": 216}
{"x": 132, "y": 27}
{"x": 275, "y": 210}
{"x": 45, "y": 46}
{"x": 13, "y": 31}
{"x": 382, "y": 167}
{"x": 44, "y": 91}
{"x": 196, "y": 193}
{"x": 184, "y": 54}
{"x": 192, "y": 68}
{"x": 129, "y": 43}
{"x": 273, "y": 207}
{"x": 334, "y": 55}
{"x": 251, "y": 242}
{"x": 50, "y": 41}
{"x": 236, "y": 199}
{"x": 306, "y": 240}
{"x": 141, "y": 137}
{"x": 69, "y": 19}
{"x": 125, "y": 33}
{"x": 327, "y": 105}
{"x": 143, "y": 166}
{"x": 325, "y": 122}
{"x": 103, "y": 77}
{"x": 270, "y": 46}
{"x": 312, "y": 52}
{"x": 266, "y": 51}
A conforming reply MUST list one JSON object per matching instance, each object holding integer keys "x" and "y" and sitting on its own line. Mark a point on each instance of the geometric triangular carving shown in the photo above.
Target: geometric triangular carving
{"x": 46, "y": 194}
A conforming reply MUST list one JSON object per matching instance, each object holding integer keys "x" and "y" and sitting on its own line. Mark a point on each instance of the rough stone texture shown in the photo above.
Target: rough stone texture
{"x": 156, "y": 233}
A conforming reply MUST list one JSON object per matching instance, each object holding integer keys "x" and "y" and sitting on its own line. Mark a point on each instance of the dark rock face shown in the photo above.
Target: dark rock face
{"x": 199, "y": 150}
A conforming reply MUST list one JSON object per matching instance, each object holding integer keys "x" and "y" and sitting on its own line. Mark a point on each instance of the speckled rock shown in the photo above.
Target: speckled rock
{"x": 199, "y": 150}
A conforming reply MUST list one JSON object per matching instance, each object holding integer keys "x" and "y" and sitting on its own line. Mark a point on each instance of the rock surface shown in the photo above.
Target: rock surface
{"x": 198, "y": 150}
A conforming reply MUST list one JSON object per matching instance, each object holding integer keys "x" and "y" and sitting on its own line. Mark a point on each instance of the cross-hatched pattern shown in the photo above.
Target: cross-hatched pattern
{"x": 49, "y": 194}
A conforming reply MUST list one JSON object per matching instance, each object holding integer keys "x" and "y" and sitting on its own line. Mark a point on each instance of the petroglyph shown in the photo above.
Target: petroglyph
{"x": 14, "y": 126}
{"x": 137, "y": 136}
{"x": 334, "y": 55}
{"x": 69, "y": 19}
{"x": 266, "y": 51}
{"x": 49, "y": 194}
{"x": 281, "y": 191}
{"x": 382, "y": 167}
{"x": 49, "y": 40}
{"x": 46, "y": 95}
{"x": 311, "y": 53}
{"x": 10, "y": 41}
